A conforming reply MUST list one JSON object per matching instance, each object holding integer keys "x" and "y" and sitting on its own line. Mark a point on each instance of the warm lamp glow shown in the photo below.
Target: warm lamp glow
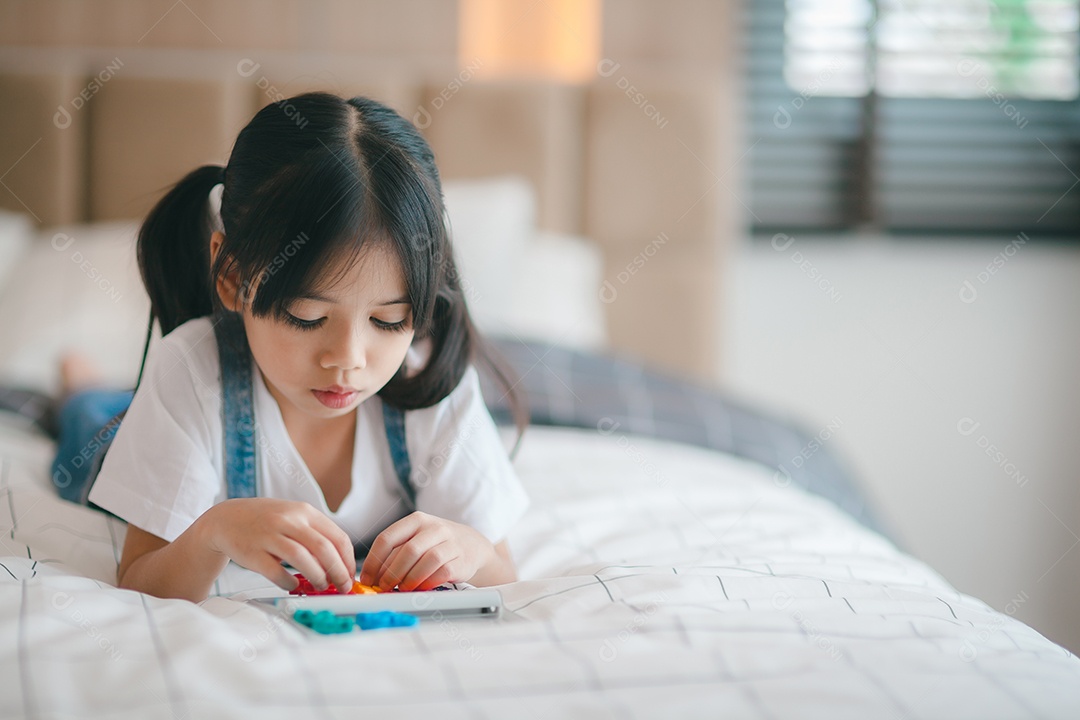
{"x": 543, "y": 39}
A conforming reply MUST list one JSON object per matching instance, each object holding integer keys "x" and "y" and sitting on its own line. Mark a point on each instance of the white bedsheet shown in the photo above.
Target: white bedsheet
{"x": 658, "y": 580}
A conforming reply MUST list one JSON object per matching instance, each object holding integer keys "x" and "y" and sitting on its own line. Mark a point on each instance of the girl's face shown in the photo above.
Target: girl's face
{"x": 340, "y": 346}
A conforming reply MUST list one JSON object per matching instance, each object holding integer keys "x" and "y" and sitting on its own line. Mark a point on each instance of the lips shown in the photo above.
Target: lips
{"x": 341, "y": 389}
{"x": 336, "y": 396}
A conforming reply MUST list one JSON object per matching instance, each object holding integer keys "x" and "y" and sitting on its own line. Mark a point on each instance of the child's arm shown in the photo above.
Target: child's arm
{"x": 257, "y": 533}
{"x": 177, "y": 569}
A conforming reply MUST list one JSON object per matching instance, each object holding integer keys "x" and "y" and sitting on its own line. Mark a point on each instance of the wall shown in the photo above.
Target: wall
{"x": 699, "y": 42}
{"x": 875, "y": 337}
{"x": 421, "y": 32}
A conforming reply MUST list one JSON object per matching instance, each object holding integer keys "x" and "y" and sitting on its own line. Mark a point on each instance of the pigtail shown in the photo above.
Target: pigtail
{"x": 174, "y": 250}
{"x": 451, "y": 350}
{"x": 456, "y": 342}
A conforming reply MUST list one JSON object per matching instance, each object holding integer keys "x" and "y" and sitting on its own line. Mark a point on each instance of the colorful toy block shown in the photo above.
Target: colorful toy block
{"x": 327, "y": 623}
{"x": 324, "y": 621}
{"x": 306, "y": 588}
{"x": 385, "y": 619}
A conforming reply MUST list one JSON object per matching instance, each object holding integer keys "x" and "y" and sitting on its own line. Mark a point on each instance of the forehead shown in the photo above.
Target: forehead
{"x": 374, "y": 272}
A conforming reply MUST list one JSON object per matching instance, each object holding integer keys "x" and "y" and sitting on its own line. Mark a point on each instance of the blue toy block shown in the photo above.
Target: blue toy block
{"x": 324, "y": 621}
{"x": 327, "y": 623}
{"x": 385, "y": 619}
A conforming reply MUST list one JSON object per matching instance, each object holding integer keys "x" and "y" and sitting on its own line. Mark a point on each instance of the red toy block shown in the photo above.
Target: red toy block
{"x": 306, "y": 588}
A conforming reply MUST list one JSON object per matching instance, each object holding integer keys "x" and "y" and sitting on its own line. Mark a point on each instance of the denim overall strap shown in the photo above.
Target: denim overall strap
{"x": 237, "y": 411}
{"x": 394, "y": 419}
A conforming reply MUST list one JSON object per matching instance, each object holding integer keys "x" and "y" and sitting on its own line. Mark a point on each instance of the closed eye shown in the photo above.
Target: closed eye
{"x": 400, "y": 326}
{"x": 303, "y": 324}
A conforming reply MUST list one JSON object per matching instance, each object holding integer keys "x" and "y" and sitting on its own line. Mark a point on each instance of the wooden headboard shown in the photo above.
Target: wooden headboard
{"x": 637, "y": 167}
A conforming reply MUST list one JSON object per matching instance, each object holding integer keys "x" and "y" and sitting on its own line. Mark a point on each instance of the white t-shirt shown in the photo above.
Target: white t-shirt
{"x": 165, "y": 465}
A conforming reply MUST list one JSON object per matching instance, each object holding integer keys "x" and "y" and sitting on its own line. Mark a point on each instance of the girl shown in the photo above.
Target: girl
{"x": 316, "y": 344}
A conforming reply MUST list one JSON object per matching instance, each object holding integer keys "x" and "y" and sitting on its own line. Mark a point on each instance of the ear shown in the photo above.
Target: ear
{"x": 227, "y": 285}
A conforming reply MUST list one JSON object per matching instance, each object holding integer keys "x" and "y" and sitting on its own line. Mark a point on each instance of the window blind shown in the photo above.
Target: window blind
{"x": 914, "y": 116}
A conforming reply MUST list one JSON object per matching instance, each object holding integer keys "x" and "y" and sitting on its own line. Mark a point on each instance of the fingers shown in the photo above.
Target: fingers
{"x": 278, "y": 575}
{"x": 297, "y": 554}
{"x": 372, "y": 569}
{"x": 308, "y": 556}
{"x": 369, "y": 571}
{"x": 396, "y": 535}
{"x": 329, "y": 563}
{"x": 270, "y": 567}
{"x": 387, "y": 578}
{"x": 431, "y": 569}
{"x": 342, "y": 548}
{"x": 260, "y": 533}
{"x": 412, "y": 562}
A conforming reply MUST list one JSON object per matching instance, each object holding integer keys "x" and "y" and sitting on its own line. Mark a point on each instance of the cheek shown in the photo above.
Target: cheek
{"x": 394, "y": 348}
{"x": 275, "y": 348}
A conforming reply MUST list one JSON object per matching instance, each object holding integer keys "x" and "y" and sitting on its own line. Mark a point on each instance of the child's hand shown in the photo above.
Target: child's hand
{"x": 258, "y": 533}
{"x": 421, "y": 551}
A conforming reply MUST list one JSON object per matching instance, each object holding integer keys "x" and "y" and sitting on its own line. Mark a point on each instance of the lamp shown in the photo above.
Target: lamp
{"x": 541, "y": 39}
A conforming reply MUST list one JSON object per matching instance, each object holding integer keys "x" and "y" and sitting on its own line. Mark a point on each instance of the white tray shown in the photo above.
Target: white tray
{"x": 479, "y": 602}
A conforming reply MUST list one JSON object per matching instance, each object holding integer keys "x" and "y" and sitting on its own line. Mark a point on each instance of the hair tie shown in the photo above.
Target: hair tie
{"x": 215, "y": 207}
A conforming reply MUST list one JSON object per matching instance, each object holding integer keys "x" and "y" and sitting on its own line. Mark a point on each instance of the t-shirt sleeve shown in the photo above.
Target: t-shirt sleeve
{"x": 464, "y": 473}
{"x": 159, "y": 473}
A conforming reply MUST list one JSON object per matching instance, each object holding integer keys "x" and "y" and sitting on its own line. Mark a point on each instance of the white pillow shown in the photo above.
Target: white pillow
{"x": 519, "y": 281}
{"x": 16, "y": 232}
{"x": 491, "y": 221}
{"x": 556, "y": 292}
{"x": 76, "y": 287}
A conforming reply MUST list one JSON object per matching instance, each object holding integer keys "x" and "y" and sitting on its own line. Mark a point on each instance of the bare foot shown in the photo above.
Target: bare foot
{"x": 77, "y": 372}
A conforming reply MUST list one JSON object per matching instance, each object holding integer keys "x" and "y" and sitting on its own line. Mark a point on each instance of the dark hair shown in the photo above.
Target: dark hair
{"x": 303, "y": 189}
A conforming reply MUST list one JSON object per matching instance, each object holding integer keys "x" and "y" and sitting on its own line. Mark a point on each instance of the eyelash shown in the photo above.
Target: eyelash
{"x": 313, "y": 324}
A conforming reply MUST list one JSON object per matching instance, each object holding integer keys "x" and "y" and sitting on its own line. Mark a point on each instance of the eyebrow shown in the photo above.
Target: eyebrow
{"x": 322, "y": 298}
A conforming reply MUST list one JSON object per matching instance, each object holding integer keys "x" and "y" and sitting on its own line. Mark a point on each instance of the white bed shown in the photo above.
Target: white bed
{"x": 711, "y": 591}
{"x": 658, "y": 579}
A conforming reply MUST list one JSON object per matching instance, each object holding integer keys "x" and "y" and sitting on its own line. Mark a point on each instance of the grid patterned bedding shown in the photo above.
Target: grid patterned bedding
{"x": 657, "y": 580}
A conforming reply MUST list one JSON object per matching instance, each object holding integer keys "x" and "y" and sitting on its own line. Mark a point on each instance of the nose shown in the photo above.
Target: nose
{"x": 347, "y": 350}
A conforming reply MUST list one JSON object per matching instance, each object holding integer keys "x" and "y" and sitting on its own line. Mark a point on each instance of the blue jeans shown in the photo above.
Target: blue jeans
{"x": 85, "y": 428}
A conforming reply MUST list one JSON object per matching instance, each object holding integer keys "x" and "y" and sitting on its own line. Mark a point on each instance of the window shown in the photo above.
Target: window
{"x": 915, "y": 115}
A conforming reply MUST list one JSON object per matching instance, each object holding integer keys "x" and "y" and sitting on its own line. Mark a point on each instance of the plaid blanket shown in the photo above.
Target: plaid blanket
{"x": 613, "y": 394}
